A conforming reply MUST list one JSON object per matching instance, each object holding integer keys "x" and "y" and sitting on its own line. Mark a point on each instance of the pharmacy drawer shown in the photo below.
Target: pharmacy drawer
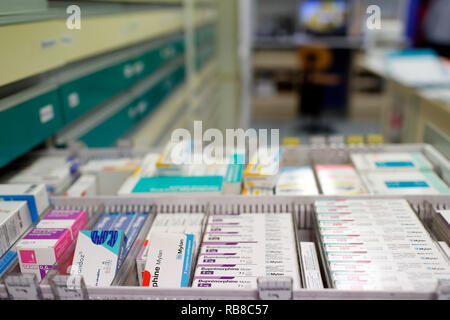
{"x": 155, "y": 95}
{"x": 107, "y": 133}
{"x": 27, "y": 124}
{"x": 85, "y": 93}
{"x": 171, "y": 50}
{"x": 163, "y": 54}
{"x": 205, "y": 36}
{"x": 160, "y": 91}
{"x": 30, "y": 48}
{"x": 103, "y": 33}
{"x": 147, "y": 63}
{"x": 178, "y": 76}
{"x": 166, "y": 85}
{"x": 175, "y": 79}
{"x": 300, "y": 207}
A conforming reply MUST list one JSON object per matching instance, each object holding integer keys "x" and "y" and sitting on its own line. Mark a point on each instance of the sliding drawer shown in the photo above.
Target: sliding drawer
{"x": 85, "y": 93}
{"x": 153, "y": 96}
{"x": 171, "y": 50}
{"x": 163, "y": 54}
{"x": 28, "y": 123}
{"x": 107, "y": 133}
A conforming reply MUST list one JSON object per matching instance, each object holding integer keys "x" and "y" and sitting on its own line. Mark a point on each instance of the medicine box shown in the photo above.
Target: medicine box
{"x": 110, "y": 173}
{"x": 34, "y": 194}
{"x": 298, "y": 181}
{"x": 399, "y": 161}
{"x": 40, "y": 249}
{"x": 74, "y": 220}
{"x": 339, "y": 179}
{"x": 54, "y": 172}
{"x": 15, "y": 219}
{"x": 97, "y": 256}
{"x": 405, "y": 183}
{"x": 174, "y": 185}
{"x": 169, "y": 260}
{"x": 85, "y": 186}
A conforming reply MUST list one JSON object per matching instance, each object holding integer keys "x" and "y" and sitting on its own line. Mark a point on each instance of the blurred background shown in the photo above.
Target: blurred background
{"x": 347, "y": 71}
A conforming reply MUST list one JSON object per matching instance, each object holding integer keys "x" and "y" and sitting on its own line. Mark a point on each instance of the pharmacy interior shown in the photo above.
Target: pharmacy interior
{"x": 226, "y": 150}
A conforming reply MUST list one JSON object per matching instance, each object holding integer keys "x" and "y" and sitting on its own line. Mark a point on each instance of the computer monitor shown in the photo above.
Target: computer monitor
{"x": 324, "y": 17}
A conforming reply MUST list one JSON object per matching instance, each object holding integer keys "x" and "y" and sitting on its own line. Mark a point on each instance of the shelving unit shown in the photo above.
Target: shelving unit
{"x": 127, "y": 64}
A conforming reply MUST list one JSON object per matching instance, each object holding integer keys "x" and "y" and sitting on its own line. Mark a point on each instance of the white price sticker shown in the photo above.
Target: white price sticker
{"x": 23, "y": 287}
{"x": 128, "y": 71}
{"x": 271, "y": 288}
{"x": 74, "y": 99}
{"x": 46, "y": 113}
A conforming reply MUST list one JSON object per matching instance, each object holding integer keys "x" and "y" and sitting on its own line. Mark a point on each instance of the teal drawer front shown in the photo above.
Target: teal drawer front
{"x": 170, "y": 82}
{"x": 151, "y": 62}
{"x": 154, "y": 96}
{"x": 171, "y": 50}
{"x": 158, "y": 57}
{"x": 165, "y": 87}
{"x": 83, "y": 94}
{"x": 144, "y": 106}
{"x": 204, "y": 36}
{"x": 107, "y": 133}
{"x": 26, "y": 125}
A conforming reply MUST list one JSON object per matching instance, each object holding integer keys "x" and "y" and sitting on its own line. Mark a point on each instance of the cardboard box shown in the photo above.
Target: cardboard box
{"x": 399, "y": 161}
{"x": 54, "y": 172}
{"x": 40, "y": 249}
{"x": 178, "y": 223}
{"x": 97, "y": 256}
{"x": 15, "y": 219}
{"x": 85, "y": 186}
{"x": 147, "y": 169}
{"x": 175, "y": 185}
{"x": 378, "y": 247}
{"x": 405, "y": 183}
{"x": 297, "y": 181}
{"x": 173, "y": 159}
{"x": 312, "y": 278}
{"x": 74, "y": 220}
{"x": 263, "y": 173}
{"x": 110, "y": 173}
{"x": 169, "y": 260}
{"x": 34, "y": 194}
{"x": 339, "y": 179}
{"x": 243, "y": 247}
